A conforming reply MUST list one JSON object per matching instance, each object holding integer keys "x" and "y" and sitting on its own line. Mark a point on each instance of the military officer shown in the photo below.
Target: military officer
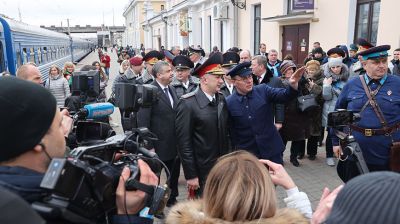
{"x": 231, "y": 59}
{"x": 374, "y": 138}
{"x": 196, "y": 56}
{"x": 183, "y": 82}
{"x": 250, "y": 111}
{"x": 202, "y": 124}
{"x": 151, "y": 58}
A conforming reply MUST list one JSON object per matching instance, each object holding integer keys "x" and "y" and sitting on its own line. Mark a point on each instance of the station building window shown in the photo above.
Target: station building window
{"x": 2, "y": 61}
{"x": 257, "y": 27}
{"x": 367, "y": 20}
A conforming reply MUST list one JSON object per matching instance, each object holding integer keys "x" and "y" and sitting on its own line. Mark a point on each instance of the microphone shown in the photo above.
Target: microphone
{"x": 96, "y": 110}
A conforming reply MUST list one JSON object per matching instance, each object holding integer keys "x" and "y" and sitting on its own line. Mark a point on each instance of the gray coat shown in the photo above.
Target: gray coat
{"x": 59, "y": 87}
{"x": 331, "y": 92}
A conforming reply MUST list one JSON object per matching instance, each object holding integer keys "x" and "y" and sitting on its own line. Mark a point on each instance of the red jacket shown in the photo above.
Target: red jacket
{"x": 106, "y": 60}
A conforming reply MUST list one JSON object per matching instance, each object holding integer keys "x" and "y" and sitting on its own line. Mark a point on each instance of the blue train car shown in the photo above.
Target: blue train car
{"x": 21, "y": 43}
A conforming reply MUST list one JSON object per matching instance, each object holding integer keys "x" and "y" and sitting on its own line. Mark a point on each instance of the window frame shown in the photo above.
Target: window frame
{"x": 257, "y": 36}
{"x": 370, "y": 4}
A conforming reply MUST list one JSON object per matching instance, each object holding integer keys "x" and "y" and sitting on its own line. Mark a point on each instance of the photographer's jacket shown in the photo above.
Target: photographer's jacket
{"x": 202, "y": 132}
{"x": 252, "y": 123}
{"x": 375, "y": 148}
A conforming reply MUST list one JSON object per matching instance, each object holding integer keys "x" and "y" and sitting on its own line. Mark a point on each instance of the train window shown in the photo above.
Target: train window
{"x": 45, "y": 57}
{"x": 24, "y": 56}
{"x": 19, "y": 59}
{"x": 2, "y": 61}
{"x": 39, "y": 56}
{"x": 32, "y": 55}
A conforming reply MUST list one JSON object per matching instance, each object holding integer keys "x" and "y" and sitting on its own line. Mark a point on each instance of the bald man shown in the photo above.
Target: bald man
{"x": 29, "y": 72}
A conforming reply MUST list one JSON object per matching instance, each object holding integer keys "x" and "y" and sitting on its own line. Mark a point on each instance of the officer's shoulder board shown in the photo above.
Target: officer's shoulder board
{"x": 188, "y": 95}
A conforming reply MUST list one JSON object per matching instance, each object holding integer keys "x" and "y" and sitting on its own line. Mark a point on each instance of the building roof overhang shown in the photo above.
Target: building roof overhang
{"x": 293, "y": 17}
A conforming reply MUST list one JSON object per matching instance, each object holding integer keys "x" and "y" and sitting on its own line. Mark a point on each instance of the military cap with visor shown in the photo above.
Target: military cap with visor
{"x": 230, "y": 58}
{"x": 242, "y": 70}
{"x": 375, "y": 52}
{"x": 153, "y": 57}
{"x": 181, "y": 62}
{"x": 211, "y": 66}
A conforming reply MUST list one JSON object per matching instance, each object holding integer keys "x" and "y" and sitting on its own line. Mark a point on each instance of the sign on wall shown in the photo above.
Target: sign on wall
{"x": 303, "y": 4}
{"x": 183, "y": 24}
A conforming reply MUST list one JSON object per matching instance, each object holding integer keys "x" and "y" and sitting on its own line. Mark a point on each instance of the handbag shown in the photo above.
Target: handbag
{"x": 307, "y": 102}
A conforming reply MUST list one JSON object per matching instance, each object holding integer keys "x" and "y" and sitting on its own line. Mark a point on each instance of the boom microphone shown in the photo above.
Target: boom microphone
{"x": 96, "y": 110}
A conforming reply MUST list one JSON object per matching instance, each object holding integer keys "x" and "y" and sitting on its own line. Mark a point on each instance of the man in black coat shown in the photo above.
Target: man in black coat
{"x": 262, "y": 75}
{"x": 160, "y": 119}
{"x": 202, "y": 125}
{"x": 183, "y": 82}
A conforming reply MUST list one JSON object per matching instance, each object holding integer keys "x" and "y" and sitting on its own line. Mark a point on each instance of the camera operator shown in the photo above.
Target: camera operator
{"x": 32, "y": 134}
{"x": 379, "y": 125}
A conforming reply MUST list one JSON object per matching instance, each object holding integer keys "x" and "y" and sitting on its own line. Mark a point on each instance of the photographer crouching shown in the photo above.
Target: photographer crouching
{"x": 375, "y": 95}
{"x": 32, "y": 134}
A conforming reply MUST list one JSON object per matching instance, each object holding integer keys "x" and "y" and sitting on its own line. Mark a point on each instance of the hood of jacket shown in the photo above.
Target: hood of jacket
{"x": 191, "y": 212}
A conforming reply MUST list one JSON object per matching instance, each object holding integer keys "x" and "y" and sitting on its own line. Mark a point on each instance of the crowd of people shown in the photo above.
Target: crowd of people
{"x": 226, "y": 119}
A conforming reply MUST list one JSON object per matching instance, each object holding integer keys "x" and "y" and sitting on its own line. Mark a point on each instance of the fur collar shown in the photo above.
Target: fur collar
{"x": 191, "y": 212}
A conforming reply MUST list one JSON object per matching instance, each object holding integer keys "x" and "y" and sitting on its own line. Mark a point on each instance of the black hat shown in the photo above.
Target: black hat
{"x": 369, "y": 198}
{"x": 336, "y": 50}
{"x": 242, "y": 70}
{"x": 153, "y": 57}
{"x": 317, "y": 50}
{"x": 168, "y": 56}
{"x": 230, "y": 58}
{"x": 182, "y": 62}
{"x": 375, "y": 52}
{"x": 193, "y": 50}
{"x": 27, "y": 111}
{"x": 211, "y": 66}
{"x": 353, "y": 47}
{"x": 363, "y": 44}
{"x": 235, "y": 49}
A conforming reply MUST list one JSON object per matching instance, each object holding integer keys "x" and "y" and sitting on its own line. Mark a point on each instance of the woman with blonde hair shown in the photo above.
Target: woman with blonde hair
{"x": 68, "y": 71}
{"x": 57, "y": 85}
{"x": 240, "y": 189}
{"x": 124, "y": 66}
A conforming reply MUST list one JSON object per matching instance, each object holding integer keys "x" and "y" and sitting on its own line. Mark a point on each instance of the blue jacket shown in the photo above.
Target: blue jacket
{"x": 252, "y": 123}
{"x": 26, "y": 183}
{"x": 375, "y": 148}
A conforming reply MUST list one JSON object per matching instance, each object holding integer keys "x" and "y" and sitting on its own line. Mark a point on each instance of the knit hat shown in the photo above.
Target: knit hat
{"x": 332, "y": 62}
{"x": 27, "y": 111}
{"x": 286, "y": 64}
{"x": 313, "y": 63}
{"x": 369, "y": 198}
{"x": 317, "y": 50}
{"x": 136, "y": 61}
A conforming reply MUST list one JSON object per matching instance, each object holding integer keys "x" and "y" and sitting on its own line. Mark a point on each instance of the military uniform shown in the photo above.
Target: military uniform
{"x": 252, "y": 124}
{"x": 230, "y": 60}
{"x": 150, "y": 58}
{"x": 375, "y": 144}
{"x": 202, "y": 127}
{"x": 181, "y": 62}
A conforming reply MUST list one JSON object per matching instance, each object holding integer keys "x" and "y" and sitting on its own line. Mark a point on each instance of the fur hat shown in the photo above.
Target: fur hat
{"x": 332, "y": 62}
{"x": 286, "y": 64}
{"x": 313, "y": 63}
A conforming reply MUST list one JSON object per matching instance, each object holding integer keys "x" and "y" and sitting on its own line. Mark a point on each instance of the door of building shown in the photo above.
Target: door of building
{"x": 295, "y": 42}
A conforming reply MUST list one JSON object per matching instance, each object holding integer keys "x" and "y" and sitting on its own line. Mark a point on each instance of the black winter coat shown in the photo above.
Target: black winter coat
{"x": 202, "y": 133}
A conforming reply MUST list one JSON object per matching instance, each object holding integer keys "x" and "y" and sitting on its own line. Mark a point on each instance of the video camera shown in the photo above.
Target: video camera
{"x": 342, "y": 119}
{"x": 83, "y": 186}
{"x": 130, "y": 98}
{"x": 86, "y": 83}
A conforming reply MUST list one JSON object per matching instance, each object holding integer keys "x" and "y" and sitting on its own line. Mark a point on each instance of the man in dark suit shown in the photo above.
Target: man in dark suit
{"x": 263, "y": 50}
{"x": 160, "y": 119}
{"x": 202, "y": 125}
{"x": 262, "y": 75}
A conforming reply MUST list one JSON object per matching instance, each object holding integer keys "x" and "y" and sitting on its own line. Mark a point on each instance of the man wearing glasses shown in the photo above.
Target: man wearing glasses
{"x": 250, "y": 111}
